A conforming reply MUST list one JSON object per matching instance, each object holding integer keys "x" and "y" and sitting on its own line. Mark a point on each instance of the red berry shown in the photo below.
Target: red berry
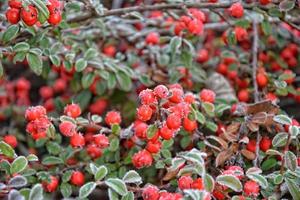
{"x": 251, "y": 146}
{"x": 142, "y": 159}
{"x": 15, "y": 4}
{"x": 289, "y": 80}
{"x": 150, "y": 192}
{"x": 265, "y": 144}
{"x": 72, "y": 110}
{"x": 189, "y": 125}
{"x": 140, "y": 129}
{"x": 198, "y": 184}
{"x": 144, "y": 113}
{"x": 67, "y": 128}
{"x": 13, "y": 15}
{"x": 152, "y": 38}
{"x": 109, "y": 50}
{"x": 77, "y": 140}
{"x": 174, "y": 121}
{"x": 166, "y": 133}
{"x": 153, "y": 147}
{"x": 60, "y": 85}
{"x": 54, "y": 18}
{"x": 77, "y": 178}
{"x": 202, "y": 56}
{"x": 113, "y": 117}
{"x": 52, "y": 185}
{"x": 185, "y": 182}
{"x": 207, "y": 96}
{"x": 99, "y": 106}
{"x": 29, "y": 15}
{"x": 54, "y": 6}
{"x": 23, "y": 84}
{"x": 189, "y": 98}
{"x": 264, "y": 2}
{"x": 147, "y": 97}
{"x": 161, "y": 91}
{"x": 176, "y": 95}
{"x": 11, "y": 140}
{"x": 241, "y": 34}
{"x": 262, "y": 80}
{"x": 243, "y": 95}
{"x": 222, "y": 69}
{"x": 236, "y": 10}
{"x": 195, "y": 27}
{"x": 251, "y": 188}
{"x": 94, "y": 151}
{"x": 46, "y": 92}
{"x": 101, "y": 141}
{"x": 33, "y": 113}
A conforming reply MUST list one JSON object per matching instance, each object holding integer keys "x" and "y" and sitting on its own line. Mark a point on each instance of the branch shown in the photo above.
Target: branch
{"x": 173, "y": 6}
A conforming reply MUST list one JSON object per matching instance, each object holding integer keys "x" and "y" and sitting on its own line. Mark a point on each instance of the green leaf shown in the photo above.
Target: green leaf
{"x": 112, "y": 81}
{"x": 231, "y": 38}
{"x": 6, "y": 150}
{"x": 87, "y": 189}
{"x": 66, "y": 190}
{"x": 286, "y": 5}
{"x": 18, "y": 165}
{"x": 67, "y": 176}
{"x": 209, "y": 108}
{"x": 230, "y": 181}
{"x": 17, "y": 181}
{"x": 278, "y": 179}
{"x": 128, "y": 196}
{"x": 124, "y": 81}
{"x": 209, "y": 182}
{"x": 1, "y": 69}
{"x": 114, "y": 144}
{"x": 266, "y": 27}
{"x": 211, "y": 126}
{"x": 87, "y": 80}
{"x": 80, "y": 65}
{"x": 262, "y": 181}
{"x": 117, "y": 185}
{"x": 90, "y": 53}
{"x": 36, "y": 192}
{"x": 151, "y": 131}
{"x": 101, "y": 173}
{"x": 282, "y": 119}
{"x": 51, "y": 160}
{"x": 132, "y": 177}
{"x": 293, "y": 188}
{"x": 83, "y": 99}
{"x": 195, "y": 156}
{"x": 268, "y": 164}
{"x": 32, "y": 158}
{"x": 294, "y": 131}
{"x": 35, "y": 62}
{"x": 194, "y": 194}
{"x": 280, "y": 139}
{"x": 290, "y": 160}
{"x": 10, "y": 33}
{"x": 112, "y": 195}
{"x": 21, "y": 47}
{"x": 55, "y": 60}
{"x": 187, "y": 59}
{"x": 200, "y": 117}
{"x": 175, "y": 43}
{"x": 275, "y": 12}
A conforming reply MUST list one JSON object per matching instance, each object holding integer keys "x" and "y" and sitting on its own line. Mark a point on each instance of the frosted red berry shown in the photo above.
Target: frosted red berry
{"x": 113, "y": 117}
{"x": 11, "y": 140}
{"x": 101, "y": 141}
{"x": 161, "y": 91}
{"x": 173, "y": 121}
{"x": 52, "y": 185}
{"x": 72, "y": 110}
{"x": 265, "y": 144}
{"x": 189, "y": 125}
{"x": 251, "y": 188}
{"x": 77, "y": 178}
{"x": 150, "y": 192}
{"x": 29, "y": 15}
{"x": 207, "y": 95}
{"x": 142, "y": 159}
{"x": 13, "y": 15}
{"x": 185, "y": 182}
{"x": 77, "y": 140}
{"x": 144, "y": 113}
{"x": 152, "y": 38}
{"x": 67, "y": 128}
{"x": 236, "y": 10}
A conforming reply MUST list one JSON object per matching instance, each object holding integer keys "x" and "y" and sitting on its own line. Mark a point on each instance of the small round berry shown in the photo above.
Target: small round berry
{"x": 15, "y": 4}
{"x": 13, "y": 15}
{"x": 101, "y": 141}
{"x": 152, "y": 38}
{"x": 11, "y": 140}
{"x": 251, "y": 188}
{"x": 150, "y": 192}
{"x": 236, "y": 10}
{"x": 153, "y": 147}
{"x": 144, "y": 113}
{"x": 265, "y": 144}
{"x": 94, "y": 151}
{"x": 54, "y": 18}
{"x": 207, "y": 96}
{"x": 77, "y": 178}
{"x": 241, "y": 34}
{"x": 173, "y": 121}
{"x": 72, "y": 110}
{"x": 195, "y": 27}
{"x": 265, "y": 2}
{"x": 198, "y": 184}
{"x": 77, "y": 140}
{"x": 52, "y": 185}
{"x": 46, "y": 92}
{"x": 29, "y": 15}
{"x": 262, "y": 80}
{"x": 33, "y": 113}
{"x": 109, "y": 50}
{"x": 189, "y": 98}
{"x": 67, "y": 128}
{"x": 60, "y": 85}
{"x": 147, "y": 97}
{"x": 166, "y": 133}
{"x": 113, "y": 117}
{"x": 251, "y": 146}
{"x": 23, "y": 84}
{"x": 161, "y": 91}
{"x": 176, "y": 95}
{"x": 140, "y": 129}
{"x": 243, "y": 95}
{"x": 189, "y": 125}
{"x": 185, "y": 182}
{"x": 202, "y": 56}
{"x": 142, "y": 159}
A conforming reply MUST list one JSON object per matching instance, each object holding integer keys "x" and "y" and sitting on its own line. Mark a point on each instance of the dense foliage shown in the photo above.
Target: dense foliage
{"x": 151, "y": 100}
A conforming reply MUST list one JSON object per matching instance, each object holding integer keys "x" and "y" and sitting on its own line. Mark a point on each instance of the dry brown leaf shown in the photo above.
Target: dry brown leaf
{"x": 248, "y": 154}
{"x": 170, "y": 175}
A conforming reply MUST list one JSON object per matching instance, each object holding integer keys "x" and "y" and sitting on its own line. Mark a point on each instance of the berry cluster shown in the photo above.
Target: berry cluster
{"x": 29, "y": 13}
{"x": 193, "y": 22}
